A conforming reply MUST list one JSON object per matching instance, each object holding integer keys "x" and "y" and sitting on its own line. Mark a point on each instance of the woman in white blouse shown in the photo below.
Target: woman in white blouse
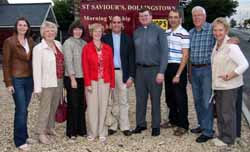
{"x": 228, "y": 66}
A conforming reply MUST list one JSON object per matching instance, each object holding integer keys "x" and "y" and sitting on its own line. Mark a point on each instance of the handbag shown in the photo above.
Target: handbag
{"x": 61, "y": 112}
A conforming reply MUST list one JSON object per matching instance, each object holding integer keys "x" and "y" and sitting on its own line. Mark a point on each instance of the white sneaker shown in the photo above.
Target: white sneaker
{"x": 218, "y": 142}
{"x": 24, "y": 147}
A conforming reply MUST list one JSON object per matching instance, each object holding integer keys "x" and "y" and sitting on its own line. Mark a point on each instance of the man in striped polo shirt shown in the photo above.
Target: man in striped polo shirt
{"x": 176, "y": 75}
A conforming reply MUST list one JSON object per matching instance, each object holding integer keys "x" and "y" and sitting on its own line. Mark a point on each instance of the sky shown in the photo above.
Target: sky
{"x": 243, "y": 11}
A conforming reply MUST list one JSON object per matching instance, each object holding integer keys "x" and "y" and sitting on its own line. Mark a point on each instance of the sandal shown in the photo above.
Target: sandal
{"x": 24, "y": 147}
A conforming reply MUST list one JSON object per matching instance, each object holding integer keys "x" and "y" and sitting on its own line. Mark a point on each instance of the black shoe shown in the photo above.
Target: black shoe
{"x": 196, "y": 130}
{"x": 138, "y": 130}
{"x": 127, "y": 132}
{"x": 203, "y": 138}
{"x": 155, "y": 131}
{"x": 111, "y": 132}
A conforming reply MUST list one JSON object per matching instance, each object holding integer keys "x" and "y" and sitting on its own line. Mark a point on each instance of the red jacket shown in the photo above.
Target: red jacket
{"x": 90, "y": 64}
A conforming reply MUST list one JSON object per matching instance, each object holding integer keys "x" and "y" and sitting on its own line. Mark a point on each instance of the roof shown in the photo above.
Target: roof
{"x": 36, "y": 13}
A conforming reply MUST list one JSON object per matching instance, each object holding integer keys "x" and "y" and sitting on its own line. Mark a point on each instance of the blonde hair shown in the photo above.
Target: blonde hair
{"x": 95, "y": 26}
{"x": 223, "y": 21}
{"x": 47, "y": 24}
{"x": 199, "y": 8}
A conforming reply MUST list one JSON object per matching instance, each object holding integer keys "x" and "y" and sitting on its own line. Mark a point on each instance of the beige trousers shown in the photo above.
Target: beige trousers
{"x": 49, "y": 101}
{"x": 97, "y": 102}
{"x": 118, "y": 106}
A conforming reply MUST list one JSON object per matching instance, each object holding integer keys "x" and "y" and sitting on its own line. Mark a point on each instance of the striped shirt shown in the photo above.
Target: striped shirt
{"x": 177, "y": 40}
{"x": 201, "y": 44}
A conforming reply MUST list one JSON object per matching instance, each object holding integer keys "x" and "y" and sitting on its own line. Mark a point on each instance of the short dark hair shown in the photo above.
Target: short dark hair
{"x": 144, "y": 9}
{"x": 176, "y": 11}
{"x": 27, "y": 34}
{"x": 76, "y": 24}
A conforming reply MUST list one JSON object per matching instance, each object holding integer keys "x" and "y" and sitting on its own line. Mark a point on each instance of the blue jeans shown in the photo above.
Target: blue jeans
{"x": 202, "y": 90}
{"x": 22, "y": 95}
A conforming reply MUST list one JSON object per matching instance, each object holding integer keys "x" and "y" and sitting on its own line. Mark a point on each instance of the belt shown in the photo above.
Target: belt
{"x": 146, "y": 66}
{"x": 117, "y": 68}
{"x": 200, "y": 65}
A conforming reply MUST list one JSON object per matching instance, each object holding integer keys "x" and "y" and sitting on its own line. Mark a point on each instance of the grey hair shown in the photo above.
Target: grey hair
{"x": 47, "y": 24}
{"x": 199, "y": 8}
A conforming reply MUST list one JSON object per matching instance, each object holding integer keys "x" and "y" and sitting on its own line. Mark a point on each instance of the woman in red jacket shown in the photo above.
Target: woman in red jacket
{"x": 98, "y": 69}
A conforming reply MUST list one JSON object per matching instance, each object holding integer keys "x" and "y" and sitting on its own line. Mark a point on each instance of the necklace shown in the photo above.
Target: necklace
{"x": 98, "y": 48}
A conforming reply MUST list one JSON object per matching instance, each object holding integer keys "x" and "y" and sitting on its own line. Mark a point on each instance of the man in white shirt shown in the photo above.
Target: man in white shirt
{"x": 176, "y": 75}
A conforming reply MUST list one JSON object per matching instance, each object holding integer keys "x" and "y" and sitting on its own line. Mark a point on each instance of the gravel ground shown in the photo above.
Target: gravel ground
{"x": 166, "y": 142}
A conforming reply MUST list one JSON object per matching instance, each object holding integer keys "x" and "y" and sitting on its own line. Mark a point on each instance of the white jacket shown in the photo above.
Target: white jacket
{"x": 226, "y": 59}
{"x": 44, "y": 66}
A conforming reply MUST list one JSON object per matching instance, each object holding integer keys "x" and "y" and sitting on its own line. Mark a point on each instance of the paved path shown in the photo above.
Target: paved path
{"x": 244, "y": 35}
{"x": 166, "y": 142}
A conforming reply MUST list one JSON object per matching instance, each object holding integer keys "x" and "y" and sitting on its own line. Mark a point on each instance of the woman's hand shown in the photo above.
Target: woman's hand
{"x": 224, "y": 77}
{"x": 37, "y": 95}
{"x": 229, "y": 76}
{"x": 73, "y": 83}
{"x": 89, "y": 88}
{"x": 11, "y": 89}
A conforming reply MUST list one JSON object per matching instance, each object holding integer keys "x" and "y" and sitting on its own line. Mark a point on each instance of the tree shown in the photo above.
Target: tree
{"x": 64, "y": 13}
{"x": 246, "y": 22}
{"x": 214, "y": 9}
{"x": 233, "y": 22}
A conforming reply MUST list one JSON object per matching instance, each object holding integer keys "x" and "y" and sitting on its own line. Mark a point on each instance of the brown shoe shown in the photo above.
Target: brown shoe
{"x": 167, "y": 125}
{"x": 44, "y": 139}
{"x": 180, "y": 131}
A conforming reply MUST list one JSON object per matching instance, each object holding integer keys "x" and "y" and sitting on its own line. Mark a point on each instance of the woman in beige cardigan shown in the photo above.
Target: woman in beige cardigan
{"x": 48, "y": 71}
{"x": 228, "y": 65}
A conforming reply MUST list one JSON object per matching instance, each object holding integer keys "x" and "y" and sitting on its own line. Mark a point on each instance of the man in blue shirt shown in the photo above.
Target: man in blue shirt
{"x": 201, "y": 45}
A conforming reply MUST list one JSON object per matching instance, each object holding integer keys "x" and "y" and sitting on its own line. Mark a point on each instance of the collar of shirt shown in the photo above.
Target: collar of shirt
{"x": 116, "y": 35}
{"x": 204, "y": 27}
{"x": 176, "y": 30}
{"x": 26, "y": 45}
{"x": 45, "y": 45}
{"x": 148, "y": 26}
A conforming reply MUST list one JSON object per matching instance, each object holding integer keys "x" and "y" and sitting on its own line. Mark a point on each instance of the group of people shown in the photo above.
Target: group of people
{"x": 97, "y": 76}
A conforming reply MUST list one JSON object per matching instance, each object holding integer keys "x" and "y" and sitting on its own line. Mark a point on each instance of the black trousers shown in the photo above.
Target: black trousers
{"x": 176, "y": 96}
{"x": 76, "y": 123}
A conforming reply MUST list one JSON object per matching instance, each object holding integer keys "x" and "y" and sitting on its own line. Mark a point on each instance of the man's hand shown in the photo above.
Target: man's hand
{"x": 176, "y": 80}
{"x": 234, "y": 40}
{"x": 129, "y": 83}
{"x": 159, "y": 78}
